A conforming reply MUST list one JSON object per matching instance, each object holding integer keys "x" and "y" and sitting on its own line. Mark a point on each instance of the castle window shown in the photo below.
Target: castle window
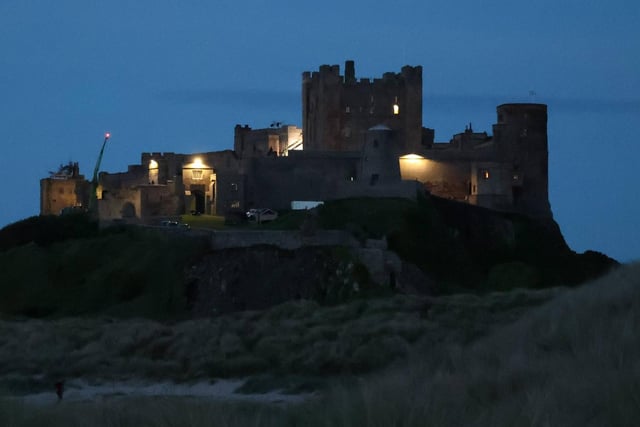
{"x": 396, "y": 107}
{"x": 485, "y": 174}
{"x": 153, "y": 172}
{"x": 347, "y": 109}
{"x": 196, "y": 174}
{"x": 235, "y": 204}
{"x": 234, "y": 186}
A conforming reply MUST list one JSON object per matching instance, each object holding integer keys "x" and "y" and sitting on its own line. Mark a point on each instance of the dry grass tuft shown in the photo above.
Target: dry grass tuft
{"x": 460, "y": 360}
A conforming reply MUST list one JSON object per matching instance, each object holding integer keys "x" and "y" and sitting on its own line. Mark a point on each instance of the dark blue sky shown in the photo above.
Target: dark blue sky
{"x": 177, "y": 76}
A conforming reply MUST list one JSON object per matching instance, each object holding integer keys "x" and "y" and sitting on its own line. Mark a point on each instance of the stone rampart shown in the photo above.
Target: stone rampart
{"x": 282, "y": 239}
{"x": 382, "y": 264}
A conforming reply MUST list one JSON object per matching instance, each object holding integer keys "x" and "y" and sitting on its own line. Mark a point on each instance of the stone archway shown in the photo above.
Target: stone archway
{"x": 199, "y": 199}
{"x": 128, "y": 210}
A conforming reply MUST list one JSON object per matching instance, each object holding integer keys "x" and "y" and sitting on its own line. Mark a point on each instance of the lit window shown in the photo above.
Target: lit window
{"x": 234, "y": 186}
{"x": 235, "y": 204}
{"x": 153, "y": 172}
{"x": 196, "y": 174}
{"x": 485, "y": 174}
{"x": 396, "y": 107}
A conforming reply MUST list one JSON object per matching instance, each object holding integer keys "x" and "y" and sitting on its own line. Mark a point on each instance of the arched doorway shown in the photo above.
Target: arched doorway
{"x": 128, "y": 210}
{"x": 199, "y": 199}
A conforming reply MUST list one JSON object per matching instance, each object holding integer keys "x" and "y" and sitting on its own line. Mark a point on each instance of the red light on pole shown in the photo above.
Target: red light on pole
{"x": 107, "y": 135}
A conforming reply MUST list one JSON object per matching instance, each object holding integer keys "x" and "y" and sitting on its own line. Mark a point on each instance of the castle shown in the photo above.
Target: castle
{"x": 359, "y": 137}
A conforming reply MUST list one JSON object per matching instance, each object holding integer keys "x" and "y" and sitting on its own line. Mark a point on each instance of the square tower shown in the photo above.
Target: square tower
{"x": 338, "y": 110}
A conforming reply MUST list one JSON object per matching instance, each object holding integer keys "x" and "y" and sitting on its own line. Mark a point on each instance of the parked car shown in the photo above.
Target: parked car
{"x": 252, "y": 212}
{"x": 261, "y": 215}
{"x": 175, "y": 224}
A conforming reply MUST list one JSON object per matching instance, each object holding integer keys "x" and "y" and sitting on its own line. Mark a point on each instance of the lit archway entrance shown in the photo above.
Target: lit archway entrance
{"x": 197, "y": 177}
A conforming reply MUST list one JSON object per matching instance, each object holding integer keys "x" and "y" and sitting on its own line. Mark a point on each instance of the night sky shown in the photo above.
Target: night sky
{"x": 178, "y": 75}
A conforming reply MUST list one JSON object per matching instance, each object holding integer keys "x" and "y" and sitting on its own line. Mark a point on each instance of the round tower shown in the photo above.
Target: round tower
{"x": 379, "y": 157}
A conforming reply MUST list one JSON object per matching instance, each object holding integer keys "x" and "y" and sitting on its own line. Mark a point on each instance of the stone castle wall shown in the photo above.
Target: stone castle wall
{"x": 338, "y": 110}
{"x": 361, "y": 137}
{"x": 57, "y": 194}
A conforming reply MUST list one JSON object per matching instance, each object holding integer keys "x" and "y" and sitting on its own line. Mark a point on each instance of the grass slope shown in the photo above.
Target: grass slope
{"x": 61, "y": 266}
{"x": 126, "y": 272}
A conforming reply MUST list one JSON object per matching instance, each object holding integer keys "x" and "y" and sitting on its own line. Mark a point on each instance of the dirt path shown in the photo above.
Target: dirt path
{"x": 80, "y": 390}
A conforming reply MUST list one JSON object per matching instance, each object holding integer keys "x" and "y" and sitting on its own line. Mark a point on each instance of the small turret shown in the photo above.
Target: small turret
{"x": 379, "y": 157}
{"x": 349, "y": 72}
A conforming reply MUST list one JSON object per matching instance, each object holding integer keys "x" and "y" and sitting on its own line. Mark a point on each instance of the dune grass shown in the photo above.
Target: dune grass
{"x": 571, "y": 362}
{"x": 298, "y": 338}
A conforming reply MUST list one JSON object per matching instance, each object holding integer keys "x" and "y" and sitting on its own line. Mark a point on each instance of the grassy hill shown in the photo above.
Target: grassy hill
{"x": 113, "y": 304}
{"x": 463, "y": 246}
{"x": 55, "y": 268}
{"x": 61, "y": 266}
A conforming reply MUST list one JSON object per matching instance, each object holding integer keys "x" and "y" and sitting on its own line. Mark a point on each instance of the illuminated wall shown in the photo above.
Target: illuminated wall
{"x": 199, "y": 185}
{"x": 444, "y": 179}
{"x": 277, "y": 141}
{"x": 56, "y": 194}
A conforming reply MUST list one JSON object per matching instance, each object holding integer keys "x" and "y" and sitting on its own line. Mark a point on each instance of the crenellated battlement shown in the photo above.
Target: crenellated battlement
{"x": 407, "y": 73}
{"x": 338, "y": 109}
{"x": 360, "y": 136}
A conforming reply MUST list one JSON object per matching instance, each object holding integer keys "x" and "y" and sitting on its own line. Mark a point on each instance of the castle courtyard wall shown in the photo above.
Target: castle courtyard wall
{"x": 57, "y": 194}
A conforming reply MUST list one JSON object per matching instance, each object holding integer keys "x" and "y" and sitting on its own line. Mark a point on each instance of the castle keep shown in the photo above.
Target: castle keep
{"x": 359, "y": 137}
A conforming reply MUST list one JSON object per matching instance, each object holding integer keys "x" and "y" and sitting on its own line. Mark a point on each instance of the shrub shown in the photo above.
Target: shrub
{"x": 48, "y": 229}
{"x": 512, "y": 275}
